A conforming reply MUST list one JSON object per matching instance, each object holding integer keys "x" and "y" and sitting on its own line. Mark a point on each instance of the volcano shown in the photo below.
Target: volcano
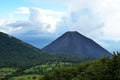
{"x": 75, "y": 44}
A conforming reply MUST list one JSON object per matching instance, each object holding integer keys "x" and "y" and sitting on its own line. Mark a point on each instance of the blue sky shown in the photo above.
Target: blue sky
{"x": 37, "y": 20}
{"x": 9, "y": 6}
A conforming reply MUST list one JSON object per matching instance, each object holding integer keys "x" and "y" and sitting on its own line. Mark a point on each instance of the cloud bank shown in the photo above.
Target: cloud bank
{"x": 97, "y": 19}
{"x": 39, "y": 22}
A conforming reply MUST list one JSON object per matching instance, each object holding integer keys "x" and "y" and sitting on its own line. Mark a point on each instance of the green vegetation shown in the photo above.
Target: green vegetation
{"x": 102, "y": 69}
{"x": 1, "y": 75}
{"x": 38, "y": 71}
{"x": 27, "y": 77}
{"x": 71, "y": 59}
{"x": 16, "y": 53}
{"x": 47, "y": 68}
{"x": 8, "y": 70}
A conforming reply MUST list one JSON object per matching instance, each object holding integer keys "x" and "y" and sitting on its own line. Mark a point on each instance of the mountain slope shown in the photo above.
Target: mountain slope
{"x": 74, "y": 43}
{"x": 16, "y": 53}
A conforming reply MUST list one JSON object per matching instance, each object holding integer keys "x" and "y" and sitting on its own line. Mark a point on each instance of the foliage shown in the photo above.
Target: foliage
{"x": 15, "y": 73}
{"x": 1, "y": 75}
{"x": 102, "y": 69}
{"x": 16, "y": 53}
{"x": 46, "y": 68}
{"x": 8, "y": 70}
{"x": 27, "y": 77}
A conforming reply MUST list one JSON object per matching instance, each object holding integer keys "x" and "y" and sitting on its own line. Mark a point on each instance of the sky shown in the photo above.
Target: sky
{"x": 39, "y": 22}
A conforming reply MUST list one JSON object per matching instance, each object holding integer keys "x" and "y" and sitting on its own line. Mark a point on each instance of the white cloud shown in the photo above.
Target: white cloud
{"x": 111, "y": 18}
{"x": 39, "y": 22}
{"x": 2, "y": 22}
{"x": 22, "y": 10}
{"x": 103, "y": 16}
{"x": 3, "y": 26}
{"x": 94, "y": 18}
{"x": 97, "y": 19}
{"x": 47, "y": 18}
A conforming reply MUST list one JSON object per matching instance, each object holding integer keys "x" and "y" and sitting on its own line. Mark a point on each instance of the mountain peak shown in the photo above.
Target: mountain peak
{"x": 76, "y": 44}
{"x": 72, "y": 32}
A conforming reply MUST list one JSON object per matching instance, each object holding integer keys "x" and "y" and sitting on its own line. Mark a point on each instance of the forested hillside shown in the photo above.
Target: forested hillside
{"x": 102, "y": 69}
{"x": 16, "y": 53}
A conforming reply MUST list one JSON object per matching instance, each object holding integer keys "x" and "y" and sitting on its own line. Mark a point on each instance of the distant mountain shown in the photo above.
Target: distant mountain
{"x": 76, "y": 44}
{"x": 16, "y": 53}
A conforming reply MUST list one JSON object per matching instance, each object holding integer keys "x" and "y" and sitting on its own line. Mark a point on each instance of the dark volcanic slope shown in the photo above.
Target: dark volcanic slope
{"x": 16, "y": 53}
{"x": 74, "y": 43}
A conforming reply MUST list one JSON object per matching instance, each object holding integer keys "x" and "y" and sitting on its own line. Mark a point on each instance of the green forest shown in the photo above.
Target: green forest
{"x": 101, "y": 69}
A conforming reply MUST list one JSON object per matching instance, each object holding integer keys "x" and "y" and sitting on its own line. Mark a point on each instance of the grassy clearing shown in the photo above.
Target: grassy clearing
{"x": 27, "y": 77}
{"x": 46, "y": 68}
{"x": 8, "y": 70}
